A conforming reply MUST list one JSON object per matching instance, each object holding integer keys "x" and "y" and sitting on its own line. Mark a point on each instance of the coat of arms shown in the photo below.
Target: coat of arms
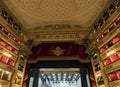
{"x": 58, "y": 51}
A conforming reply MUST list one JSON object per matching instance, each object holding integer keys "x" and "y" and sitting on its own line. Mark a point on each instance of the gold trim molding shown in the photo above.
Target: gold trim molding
{"x": 58, "y": 58}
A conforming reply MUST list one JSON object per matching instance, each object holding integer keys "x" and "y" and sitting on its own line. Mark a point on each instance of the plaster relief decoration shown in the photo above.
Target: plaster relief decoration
{"x": 83, "y": 12}
{"x": 54, "y": 8}
{"x": 57, "y": 26}
{"x": 58, "y": 51}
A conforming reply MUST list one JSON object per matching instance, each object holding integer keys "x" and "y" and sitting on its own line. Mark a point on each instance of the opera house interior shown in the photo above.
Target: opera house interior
{"x": 59, "y": 43}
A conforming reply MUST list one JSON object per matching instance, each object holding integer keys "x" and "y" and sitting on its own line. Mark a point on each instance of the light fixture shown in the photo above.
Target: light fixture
{"x": 110, "y": 52}
{"x": 7, "y": 54}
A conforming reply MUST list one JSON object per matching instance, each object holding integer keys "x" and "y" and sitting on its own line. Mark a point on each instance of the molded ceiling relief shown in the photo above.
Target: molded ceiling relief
{"x": 32, "y": 13}
{"x": 54, "y": 8}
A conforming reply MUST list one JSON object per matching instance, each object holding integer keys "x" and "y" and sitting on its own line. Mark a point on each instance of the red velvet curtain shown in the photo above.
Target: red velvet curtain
{"x": 91, "y": 74}
{"x": 25, "y": 81}
{"x": 69, "y": 49}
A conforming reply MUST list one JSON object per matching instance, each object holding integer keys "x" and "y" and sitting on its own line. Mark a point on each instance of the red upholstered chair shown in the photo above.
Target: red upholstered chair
{"x": 103, "y": 49}
{"x": 14, "y": 51}
{"x": 113, "y": 76}
{"x": 10, "y": 62}
{"x": 106, "y": 32}
{"x": 8, "y": 47}
{"x": 107, "y": 61}
{"x": 114, "y": 57}
{"x": 100, "y": 38}
{"x": 2, "y": 43}
{"x": 12, "y": 36}
{"x": 118, "y": 21}
{"x": 112, "y": 26}
{"x": 16, "y": 40}
{"x": 5, "y": 31}
{"x": 4, "y": 59}
{"x": 116, "y": 39}
{"x": 118, "y": 74}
